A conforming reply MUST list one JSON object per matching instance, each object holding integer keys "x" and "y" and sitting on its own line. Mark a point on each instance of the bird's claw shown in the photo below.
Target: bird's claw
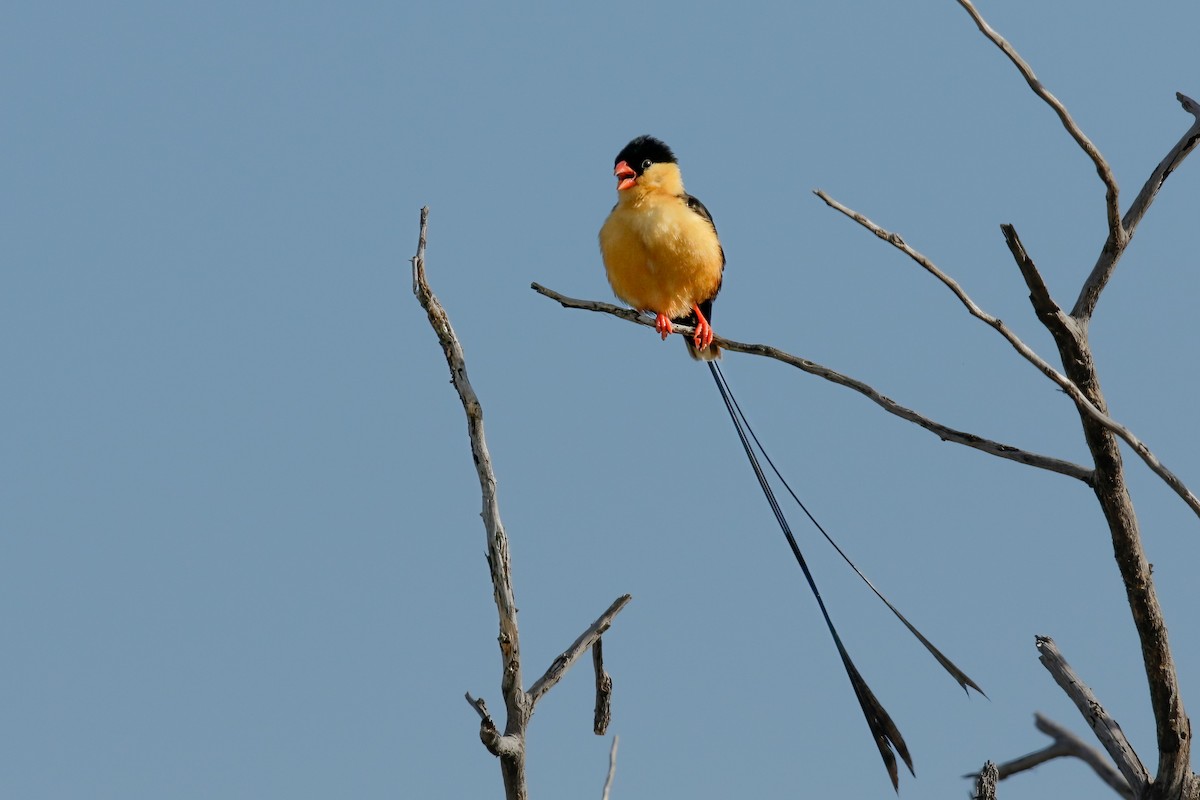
{"x": 704, "y": 334}
{"x": 662, "y": 324}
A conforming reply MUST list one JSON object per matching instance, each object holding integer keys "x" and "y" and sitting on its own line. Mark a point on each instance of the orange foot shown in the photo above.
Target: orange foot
{"x": 662, "y": 324}
{"x": 704, "y": 331}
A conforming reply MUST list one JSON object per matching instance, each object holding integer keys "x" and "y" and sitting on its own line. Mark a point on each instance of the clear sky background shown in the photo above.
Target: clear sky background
{"x": 240, "y": 550}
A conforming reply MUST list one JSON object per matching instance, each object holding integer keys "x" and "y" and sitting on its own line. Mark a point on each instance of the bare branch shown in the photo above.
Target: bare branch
{"x": 568, "y": 657}
{"x": 943, "y": 432}
{"x": 481, "y": 708}
{"x": 1105, "y": 727}
{"x": 1043, "y": 304}
{"x": 497, "y": 745}
{"x": 1089, "y": 295}
{"x": 1113, "y": 495}
{"x": 1076, "y": 747}
{"x": 604, "y": 684}
{"x": 898, "y": 242}
{"x": 497, "y": 540}
{"x": 985, "y": 783}
{"x": 1117, "y": 234}
{"x": 509, "y": 747}
{"x": 1066, "y": 744}
{"x": 1081, "y": 400}
{"x": 1102, "y": 434}
{"x": 1036, "y": 758}
{"x": 612, "y": 768}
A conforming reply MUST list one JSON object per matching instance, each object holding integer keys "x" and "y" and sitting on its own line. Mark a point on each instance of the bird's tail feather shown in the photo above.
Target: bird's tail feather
{"x": 887, "y": 737}
{"x": 710, "y": 353}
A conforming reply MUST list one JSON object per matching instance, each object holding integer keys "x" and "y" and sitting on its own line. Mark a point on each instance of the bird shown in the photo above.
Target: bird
{"x": 660, "y": 246}
{"x": 662, "y": 255}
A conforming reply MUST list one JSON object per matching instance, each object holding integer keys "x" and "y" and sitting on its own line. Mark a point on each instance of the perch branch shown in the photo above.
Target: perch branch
{"x": 1089, "y": 295}
{"x": 943, "y": 432}
{"x": 1105, "y": 727}
{"x": 1081, "y": 400}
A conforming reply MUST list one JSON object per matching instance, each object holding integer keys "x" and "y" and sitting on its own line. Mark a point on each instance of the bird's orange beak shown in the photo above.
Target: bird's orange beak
{"x": 626, "y": 177}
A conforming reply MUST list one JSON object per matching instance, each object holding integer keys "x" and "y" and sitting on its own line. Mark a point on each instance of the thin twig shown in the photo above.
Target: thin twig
{"x": 943, "y": 432}
{"x": 1105, "y": 727}
{"x": 612, "y": 768}
{"x": 1116, "y": 232}
{"x": 1081, "y": 400}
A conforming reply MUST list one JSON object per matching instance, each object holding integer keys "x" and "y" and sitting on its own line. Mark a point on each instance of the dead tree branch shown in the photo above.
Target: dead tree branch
{"x": 1044, "y": 306}
{"x": 1067, "y": 743}
{"x": 985, "y": 783}
{"x": 580, "y": 646}
{"x": 1111, "y": 192}
{"x": 1089, "y": 295}
{"x": 612, "y": 768}
{"x": 604, "y": 683}
{"x": 509, "y": 747}
{"x": 1083, "y": 402}
{"x": 943, "y": 432}
{"x": 1173, "y": 778}
{"x": 1105, "y": 727}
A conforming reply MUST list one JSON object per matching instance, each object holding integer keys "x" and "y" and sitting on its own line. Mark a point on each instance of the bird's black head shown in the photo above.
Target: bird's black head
{"x": 643, "y": 151}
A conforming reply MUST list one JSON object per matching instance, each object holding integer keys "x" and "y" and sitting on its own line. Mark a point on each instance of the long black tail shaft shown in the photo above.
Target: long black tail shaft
{"x": 883, "y": 730}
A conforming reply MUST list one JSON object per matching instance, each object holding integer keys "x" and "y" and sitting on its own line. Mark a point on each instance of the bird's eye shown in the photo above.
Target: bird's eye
{"x": 646, "y": 164}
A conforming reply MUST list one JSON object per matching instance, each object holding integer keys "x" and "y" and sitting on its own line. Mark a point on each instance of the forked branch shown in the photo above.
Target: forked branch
{"x": 1174, "y": 777}
{"x": 1105, "y": 727}
{"x": 1120, "y": 229}
{"x": 1066, "y": 744}
{"x": 580, "y": 646}
{"x": 508, "y": 746}
{"x": 1111, "y": 192}
{"x": 1089, "y": 295}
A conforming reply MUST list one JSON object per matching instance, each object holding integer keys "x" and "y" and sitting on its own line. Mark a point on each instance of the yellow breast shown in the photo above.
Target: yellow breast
{"x": 660, "y": 255}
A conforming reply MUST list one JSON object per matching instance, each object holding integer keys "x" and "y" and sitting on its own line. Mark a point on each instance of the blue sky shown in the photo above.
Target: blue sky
{"x": 242, "y": 556}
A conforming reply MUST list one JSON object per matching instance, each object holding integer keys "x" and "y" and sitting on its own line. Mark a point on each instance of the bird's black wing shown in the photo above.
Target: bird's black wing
{"x": 695, "y": 205}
